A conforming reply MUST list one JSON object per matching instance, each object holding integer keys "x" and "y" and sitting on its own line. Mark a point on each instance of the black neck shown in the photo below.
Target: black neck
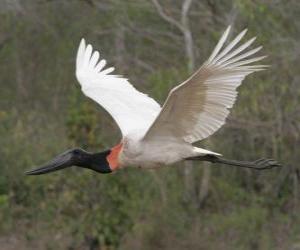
{"x": 95, "y": 161}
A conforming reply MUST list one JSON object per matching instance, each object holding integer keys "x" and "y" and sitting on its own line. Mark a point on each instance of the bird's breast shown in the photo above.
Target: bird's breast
{"x": 153, "y": 154}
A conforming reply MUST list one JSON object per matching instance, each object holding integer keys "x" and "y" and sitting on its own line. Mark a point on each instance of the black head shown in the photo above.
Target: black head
{"x": 76, "y": 157}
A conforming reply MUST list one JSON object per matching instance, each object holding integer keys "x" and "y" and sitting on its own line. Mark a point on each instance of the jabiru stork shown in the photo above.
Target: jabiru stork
{"x": 153, "y": 136}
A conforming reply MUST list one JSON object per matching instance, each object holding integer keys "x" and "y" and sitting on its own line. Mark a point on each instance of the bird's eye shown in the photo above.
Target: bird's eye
{"x": 76, "y": 151}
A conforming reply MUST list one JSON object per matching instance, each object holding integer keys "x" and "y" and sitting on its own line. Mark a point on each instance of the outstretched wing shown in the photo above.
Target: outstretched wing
{"x": 131, "y": 109}
{"x": 198, "y": 107}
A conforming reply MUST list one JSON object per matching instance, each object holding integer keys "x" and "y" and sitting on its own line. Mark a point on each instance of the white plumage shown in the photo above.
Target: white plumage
{"x": 131, "y": 109}
{"x": 194, "y": 110}
{"x": 199, "y": 106}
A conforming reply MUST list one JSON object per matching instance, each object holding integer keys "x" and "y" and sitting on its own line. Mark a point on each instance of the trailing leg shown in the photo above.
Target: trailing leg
{"x": 260, "y": 164}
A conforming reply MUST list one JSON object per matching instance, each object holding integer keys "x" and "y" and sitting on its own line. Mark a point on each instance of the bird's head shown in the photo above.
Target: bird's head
{"x": 103, "y": 162}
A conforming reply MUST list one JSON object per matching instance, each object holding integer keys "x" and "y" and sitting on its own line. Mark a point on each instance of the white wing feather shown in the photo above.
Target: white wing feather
{"x": 131, "y": 109}
{"x": 198, "y": 107}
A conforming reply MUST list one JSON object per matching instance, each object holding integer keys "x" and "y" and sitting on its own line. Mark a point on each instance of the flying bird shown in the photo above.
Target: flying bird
{"x": 154, "y": 136}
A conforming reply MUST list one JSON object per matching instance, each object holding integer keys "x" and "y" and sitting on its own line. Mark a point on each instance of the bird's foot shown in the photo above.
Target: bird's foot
{"x": 261, "y": 164}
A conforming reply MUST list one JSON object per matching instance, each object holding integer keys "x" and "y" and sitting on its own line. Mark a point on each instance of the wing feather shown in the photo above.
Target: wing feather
{"x": 131, "y": 109}
{"x": 198, "y": 107}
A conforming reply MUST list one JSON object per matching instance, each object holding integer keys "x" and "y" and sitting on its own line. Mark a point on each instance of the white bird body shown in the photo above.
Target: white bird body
{"x": 164, "y": 151}
{"x": 153, "y": 136}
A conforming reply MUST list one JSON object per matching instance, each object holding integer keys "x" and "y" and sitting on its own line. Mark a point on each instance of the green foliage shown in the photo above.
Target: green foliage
{"x": 43, "y": 112}
{"x": 82, "y": 121}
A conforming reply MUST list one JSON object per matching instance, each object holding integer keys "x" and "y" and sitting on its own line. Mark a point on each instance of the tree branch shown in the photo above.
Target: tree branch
{"x": 189, "y": 43}
{"x": 167, "y": 18}
{"x": 185, "y": 9}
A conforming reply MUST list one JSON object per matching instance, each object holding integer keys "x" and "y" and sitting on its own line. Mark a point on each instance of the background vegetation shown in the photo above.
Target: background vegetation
{"x": 156, "y": 44}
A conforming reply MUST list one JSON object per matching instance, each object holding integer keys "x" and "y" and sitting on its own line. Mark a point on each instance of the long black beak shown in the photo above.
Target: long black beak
{"x": 61, "y": 161}
{"x": 76, "y": 157}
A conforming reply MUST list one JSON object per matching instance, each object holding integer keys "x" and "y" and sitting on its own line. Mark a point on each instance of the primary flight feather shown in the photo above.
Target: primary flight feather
{"x": 153, "y": 136}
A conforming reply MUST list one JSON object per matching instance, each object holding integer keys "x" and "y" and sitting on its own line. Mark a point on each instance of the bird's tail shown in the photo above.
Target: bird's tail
{"x": 258, "y": 164}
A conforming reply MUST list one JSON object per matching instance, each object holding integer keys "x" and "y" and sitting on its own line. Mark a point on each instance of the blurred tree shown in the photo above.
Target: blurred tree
{"x": 156, "y": 44}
